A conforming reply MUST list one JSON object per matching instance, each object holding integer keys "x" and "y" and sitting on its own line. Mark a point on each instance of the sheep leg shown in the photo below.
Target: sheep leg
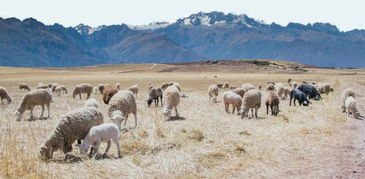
{"x": 88, "y": 96}
{"x": 2, "y": 100}
{"x": 233, "y": 108}
{"x": 80, "y": 95}
{"x": 42, "y": 112}
{"x": 49, "y": 112}
{"x": 161, "y": 101}
{"x": 272, "y": 111}
{"x": 96, "y": 147}
{"x": 256, "y": 112}
{"x": 267, "y": 109}
{"x": 226, "y": 105}
{"x": 109, "y": 143}
{"x": 31, "y": 113}
{"x": 135, "y": 119}
{"x": 177, "y": 114}
{"x": 125, "y": 120}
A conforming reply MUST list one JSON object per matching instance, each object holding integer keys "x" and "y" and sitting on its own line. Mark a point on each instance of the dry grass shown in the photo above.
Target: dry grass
{"x": 301, "y": 142}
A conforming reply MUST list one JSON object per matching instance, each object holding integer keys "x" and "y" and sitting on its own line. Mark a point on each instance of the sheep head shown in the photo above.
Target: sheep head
{"x": 117, "y": 118}
{"x": 108, "y": 94}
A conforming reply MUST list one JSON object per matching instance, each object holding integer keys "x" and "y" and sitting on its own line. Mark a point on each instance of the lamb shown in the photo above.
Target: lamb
{"x": 154, "y": 94}
{"x": 63, "y": 88}
{"x": 273, "y": 101}
{"x": 42, "y": 86}
{"x": 247, "y": 86}
{"x": 33, "y": 98}
{"x": 101, "y": 133}
{"x": 134, "y": 89}
{"x": 120, "y": 106}
{"x": 72, "y": 126}
{"x": 226, "y": 85}
{"x": 108, "y": 93}
{"x": 82, "y": 88}
{"x": 231, "y": 98}
{"x": 325, "y": 88}
{"x": 213, "y": 92}
{"x": 286, "y": 92}
{"x": 346, "y": 93}
{"x": 4, "y": 95}
{"x": 310, "y": 91}
{"x": 232, "y": 87}
{"x": 251, "y": 100}
{"x": 296, "y": 94}
{"x": 58, "y": 90}
{"x": 92, "y": 103}
{"x": 171, "y": 101}
{"x": 24, "y": 86}
{"x": 280, "y": 89}
{"x": 101, "y": 88}
{"x": 53, "y": 87}
{"x": 239, "y": 91}
{"x": 117, "y": 86}
{"x": 350, "y": 104}
{"x": 220, "y": 85}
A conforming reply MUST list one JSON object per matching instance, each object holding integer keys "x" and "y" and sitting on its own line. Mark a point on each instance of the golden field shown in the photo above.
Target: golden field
{"x": 318, "y": 141}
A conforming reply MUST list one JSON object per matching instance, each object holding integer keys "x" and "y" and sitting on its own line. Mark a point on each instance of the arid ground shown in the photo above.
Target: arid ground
{"x": 317, "y": 141}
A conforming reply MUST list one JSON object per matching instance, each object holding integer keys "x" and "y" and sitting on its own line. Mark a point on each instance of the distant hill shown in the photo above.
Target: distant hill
{"x": 201, "y": 36}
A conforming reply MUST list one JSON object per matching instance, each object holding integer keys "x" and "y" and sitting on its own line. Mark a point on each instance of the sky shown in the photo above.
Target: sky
{"x": 346, "y": 15}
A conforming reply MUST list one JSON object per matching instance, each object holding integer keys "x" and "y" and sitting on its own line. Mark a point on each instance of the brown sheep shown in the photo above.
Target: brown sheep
{"x": 4, "y": 95}
{"x": 24, "y": 86}
{"x": 108, "y": 93}
{"x": 272, "y": 100}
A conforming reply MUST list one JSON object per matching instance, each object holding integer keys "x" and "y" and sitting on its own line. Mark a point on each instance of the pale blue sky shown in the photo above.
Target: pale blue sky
{"x": 346, "y": 14}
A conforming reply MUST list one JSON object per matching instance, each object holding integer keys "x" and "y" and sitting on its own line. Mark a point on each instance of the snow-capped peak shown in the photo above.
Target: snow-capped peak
{"x": 87, "y": 30}
{"x": 150, "y": 26}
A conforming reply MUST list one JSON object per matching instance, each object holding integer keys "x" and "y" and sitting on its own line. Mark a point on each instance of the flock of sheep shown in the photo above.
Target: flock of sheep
{"x": 87, "y": 123}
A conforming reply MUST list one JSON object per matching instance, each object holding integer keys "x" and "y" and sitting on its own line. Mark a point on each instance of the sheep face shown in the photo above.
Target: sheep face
{"x": 117, "y": 120}
{"x": 243, "y": 113}
{"x": 45, "y": 153}
{"x": 108, "y": 96}
{"x": 149, "y": 102}
{"x": 83, "y": 148}
{"x": 19, "y": 114}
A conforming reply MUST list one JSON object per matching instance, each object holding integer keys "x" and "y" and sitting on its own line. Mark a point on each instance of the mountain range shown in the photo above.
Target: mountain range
{"x": 201, "y": 36}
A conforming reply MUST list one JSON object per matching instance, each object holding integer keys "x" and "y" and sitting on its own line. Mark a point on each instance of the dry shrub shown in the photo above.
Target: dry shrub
{"x": 212, "y": 159}
{"x": 135, "y": 147}
{"x": 244, "y": 133}
{"x": 195, "y": 135}
{"x": 142, "y": 133}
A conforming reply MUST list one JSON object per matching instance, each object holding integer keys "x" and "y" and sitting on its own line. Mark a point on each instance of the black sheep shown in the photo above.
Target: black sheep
{"x": 300, "y": 96}
{"x": 310, "y": 91}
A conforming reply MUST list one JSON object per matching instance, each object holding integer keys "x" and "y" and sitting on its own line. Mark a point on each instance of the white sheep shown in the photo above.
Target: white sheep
{"x": 346, "y": 93}
{"x": 213, "y": 92}
{"x": 58, "y": 90}
{"x": 247, "y": 86}
{"x": 33, "y": 98}
{"x": 280, "y": 90}
{"x": 251, "y": 100}
{"x": 120, "y": 106}
{"x": 171, "y": 99}
{"x": 231, "y": 98}
{"x": 350, "y": 104}
{"x": 42, "y": 86}
{"x": 101, "y": 133}
{"x": 324, "y": 88}
{"x": 92, "y": 102}
{"x": 95, "y": 91}
{"x": 82, "y": 88}
{"x": 72, "y": 126}
{"x": 134, "y": 89}
{"x": 4, "y": 95}
{"x": 177, "y": 85}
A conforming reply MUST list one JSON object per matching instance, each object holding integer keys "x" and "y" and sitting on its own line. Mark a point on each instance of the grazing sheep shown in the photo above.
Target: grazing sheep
{"x": 154, "y": 94}
{"x": 53, "y": 87}
{"x": 232, "y": 87}
{"x": 324, "y": 88}
{"x": 58, "y": 90}
{"x": 286, "y": 93}
{"x": 270, "y": 86}
{"x": 24, "y": 86}
{"x": 213, "y": 92}
{"x": 97, "y": 134}
{"x": 280, "y": 90}
{"x": 42, "y": 86}
{"x": 134, "y": 89}
{"x": 350, "y": 104}
{"x": 4, "y": 95}
{"x": 33, "y": 98}
{"x": 346, "y": 93}
{"x": 310, "y": 91}
{"x": 247, "y": 86}
{"x": 72, "y": 126}
{"x": 101, "y": 88}
{"x": 95, "y": 91}
{"x": 226, "y": 85}
{"x": 82, "y": 88}
{"x": 239, "y": 91}
{"x": 92, "y": 102}
{"x": 64, "y": 89}
{"x": 300, "y": 96}
{"x": 231, "y": 98}
{"x": 220, "y": 85}
{"x": 273, "y": 101}
{"x": 108, "y": 93}
{"x": 117, "y": 86}
{"x": 251, "y": 100}
{"x": 120, "y": 106}
{"x": 171, "y": 101}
